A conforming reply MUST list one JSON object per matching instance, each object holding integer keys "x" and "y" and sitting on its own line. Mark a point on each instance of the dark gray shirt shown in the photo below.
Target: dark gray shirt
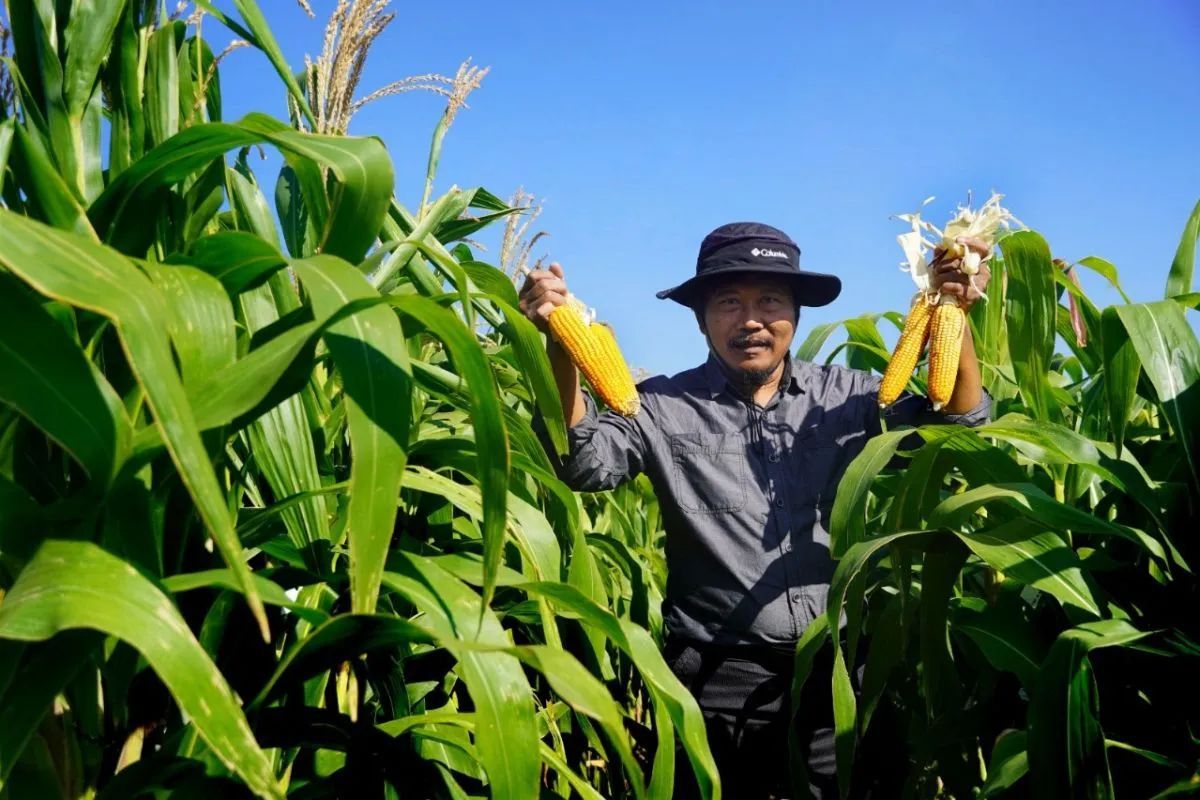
{"x": 745, "y": 491}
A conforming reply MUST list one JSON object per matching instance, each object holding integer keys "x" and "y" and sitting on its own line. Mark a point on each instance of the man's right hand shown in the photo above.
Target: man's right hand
{"x": 544, "y": 291}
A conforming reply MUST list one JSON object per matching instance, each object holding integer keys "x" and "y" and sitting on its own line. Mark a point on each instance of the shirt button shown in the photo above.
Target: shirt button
{"x": 795, "y": 597}
{"x": 787, "y": 547}
{"x": 779, "y": 502}
{"x": 773, "y": 458}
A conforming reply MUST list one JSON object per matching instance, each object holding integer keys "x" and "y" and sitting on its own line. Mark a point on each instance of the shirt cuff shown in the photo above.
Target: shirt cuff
{"x": 577, "y": 435}
{"x": 979, "y": 415}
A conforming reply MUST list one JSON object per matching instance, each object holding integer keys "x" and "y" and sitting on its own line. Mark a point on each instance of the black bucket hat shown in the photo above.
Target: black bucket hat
{"x": 754, "y": 248}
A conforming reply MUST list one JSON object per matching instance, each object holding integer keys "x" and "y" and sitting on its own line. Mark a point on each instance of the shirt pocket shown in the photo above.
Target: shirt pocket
{"x": 708, "y": 473}
{"x": 819, "y": 455}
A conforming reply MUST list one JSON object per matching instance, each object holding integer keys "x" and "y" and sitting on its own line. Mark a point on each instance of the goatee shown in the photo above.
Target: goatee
{"x": 754, "y": 378}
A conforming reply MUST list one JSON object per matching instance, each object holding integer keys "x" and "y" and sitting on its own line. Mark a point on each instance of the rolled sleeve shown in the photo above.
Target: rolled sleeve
{"x": 603, "y": 449}
{"x": 915, "y": 410}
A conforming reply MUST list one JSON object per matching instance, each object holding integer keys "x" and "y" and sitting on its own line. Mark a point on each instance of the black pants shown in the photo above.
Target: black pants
{"x": 744, "y": 693}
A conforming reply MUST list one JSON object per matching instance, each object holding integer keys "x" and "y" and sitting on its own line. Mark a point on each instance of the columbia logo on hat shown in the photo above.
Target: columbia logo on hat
{"x": 768, "y": 253}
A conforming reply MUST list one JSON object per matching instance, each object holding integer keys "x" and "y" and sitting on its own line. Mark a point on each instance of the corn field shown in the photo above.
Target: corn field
{"x": 274, "y": 520}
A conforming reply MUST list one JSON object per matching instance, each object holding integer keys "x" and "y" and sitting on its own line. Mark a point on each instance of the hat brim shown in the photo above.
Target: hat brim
{"x": 809, "y": 288}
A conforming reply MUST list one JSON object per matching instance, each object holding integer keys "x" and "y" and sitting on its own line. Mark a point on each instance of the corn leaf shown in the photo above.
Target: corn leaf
{"x": 45, "y": 376}
{"x": 1026, "y": 552}
{"x": 239, "y": 260}
{"x": 39, "y": 674}
{"x": 81, "y": 273}
{"x": 504, "y": 718}
{"x": 199, "y": 321}
{"x": 848, "y": 519}
{"x": 664, "y": 687}
{"x": 370, "y": 353}
{"x": 1030, "y": 315}
{"x": 486, "y": 418}
{"x": 1066, "y": 749}
{"x": 1170, "y": 355}
{"x": 1179, "y": 280}
{"x": 77, "y": 585}
{"x": 357, "y": 203}
{"x": 282, "y": 443}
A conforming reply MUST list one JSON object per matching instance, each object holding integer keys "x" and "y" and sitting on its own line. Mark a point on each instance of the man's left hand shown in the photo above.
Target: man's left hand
{"x": 949, "y": 278}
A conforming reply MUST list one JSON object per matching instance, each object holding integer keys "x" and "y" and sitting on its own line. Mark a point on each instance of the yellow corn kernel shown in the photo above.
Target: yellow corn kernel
{"x": 945, "y": 345}
{"x": 908, "y": 350}
{"x": 594, "y": 351}
{"x": 615, "y": 385}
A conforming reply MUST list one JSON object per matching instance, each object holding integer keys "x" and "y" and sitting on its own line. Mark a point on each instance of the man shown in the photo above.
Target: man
{"x": 745, "y": 453}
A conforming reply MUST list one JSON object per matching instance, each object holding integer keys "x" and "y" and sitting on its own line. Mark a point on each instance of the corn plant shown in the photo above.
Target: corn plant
{"x": 273, "y": 517}
{"x": 1019, "y": 599}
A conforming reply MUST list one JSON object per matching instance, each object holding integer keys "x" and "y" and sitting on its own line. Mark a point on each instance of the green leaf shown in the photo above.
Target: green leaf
{"x": 282, "y": 443}
{"x": 48, "y": 196}
{"x": 1179, "y": 281}
{"x": 492, "y": 281}
{"x": 1106, "y": 270}
{"x": 812, "y": 344}
{"x": 853, "y": 561}
{"x": 41, "y": 675}
{"x": 532, "y": 533}
{"x": 870, "y": 352}
{"x": 258, "y": 32}
{"x": 358, "y": 198}
{"x": 1030, "y": 312}
{"x": 505, "y": 724}
{"x": 1170, "y": 356}
{"x": 199, "y": 320}
{"x": 486, "y": 417}
{"x": 807, "y": 647}
{"x": 1026, "y": 552}
{"x": 662, "y": 684}
{"x": 239, "y": 260}
{"x": 45, "y": 376}
{"x": 587, "y": 695}
{"x": 1121, "y": 371}
{"x": 1009, "y": 763}
{"x": 1032, "y": 503}
{"x": 848, "y": 519}
{"x": 90, "y": 276}
{"x": 1067, "y": 756}
{"x": 371, "y": 356}
{"x": 88, "y": 38}
{"x": 535, "y": 368}
{"x": 340, "y": 639}
{"x": 162, "y": 85}
{"x": 1003, "y": 633}
{"x": 77, "y": 585}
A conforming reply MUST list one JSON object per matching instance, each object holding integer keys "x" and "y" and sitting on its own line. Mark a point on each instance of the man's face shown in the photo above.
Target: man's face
{"x": 750, "y": 324}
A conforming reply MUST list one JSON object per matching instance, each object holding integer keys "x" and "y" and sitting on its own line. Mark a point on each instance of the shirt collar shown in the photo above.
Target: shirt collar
{"x": 794, "y": 380}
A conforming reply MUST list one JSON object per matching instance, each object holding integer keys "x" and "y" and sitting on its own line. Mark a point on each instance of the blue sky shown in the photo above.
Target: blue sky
{"x": 644, "y": 126}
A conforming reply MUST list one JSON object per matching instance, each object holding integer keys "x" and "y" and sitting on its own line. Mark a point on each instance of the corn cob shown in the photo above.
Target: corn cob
{"x": 594, "y": 351}
{"x": 616, "y": 386}
{"x": 945, "y": 344}
{"x": 908, "y": 350}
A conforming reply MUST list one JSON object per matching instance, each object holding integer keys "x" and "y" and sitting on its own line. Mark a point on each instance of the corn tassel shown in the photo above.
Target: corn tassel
{"x": 945, "y": 345}
{"x": 594, "y": 351}
{"x": 908, "y": 350}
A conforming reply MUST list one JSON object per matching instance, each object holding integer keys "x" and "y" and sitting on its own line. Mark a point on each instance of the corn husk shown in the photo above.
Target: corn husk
{"x": 987, "y": 223}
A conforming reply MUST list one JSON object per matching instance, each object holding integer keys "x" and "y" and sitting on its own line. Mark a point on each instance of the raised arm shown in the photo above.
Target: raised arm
{"x": 606, "y": 449}
{"x": 544, "y": 291}
{"x": 950, "y": 279}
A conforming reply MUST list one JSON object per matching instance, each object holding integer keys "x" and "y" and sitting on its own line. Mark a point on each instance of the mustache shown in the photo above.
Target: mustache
{"x": 750, "y": 340}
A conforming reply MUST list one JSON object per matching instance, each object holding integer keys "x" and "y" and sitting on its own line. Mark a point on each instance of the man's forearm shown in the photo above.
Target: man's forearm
{"x": 566, "y": 378}
{"x": 968, "y": 387}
